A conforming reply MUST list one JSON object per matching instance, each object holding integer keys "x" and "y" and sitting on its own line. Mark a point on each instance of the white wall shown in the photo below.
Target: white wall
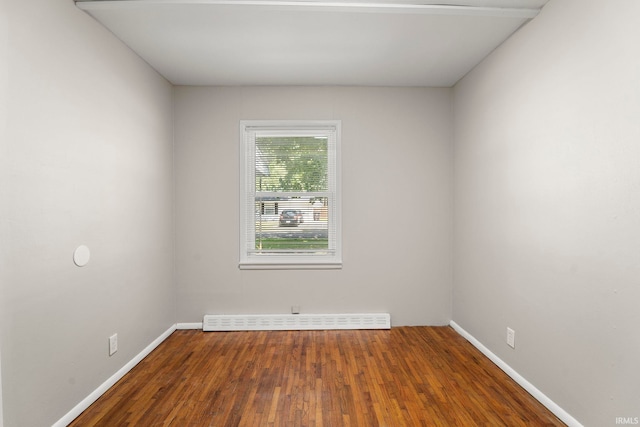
{"x": 87, "y": 159}
{"x": 547, "y": 205}
{"x": 395, "y": 147}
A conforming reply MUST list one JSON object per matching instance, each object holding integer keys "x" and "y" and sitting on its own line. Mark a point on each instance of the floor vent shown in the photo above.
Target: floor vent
{"x": 295, "y": 322}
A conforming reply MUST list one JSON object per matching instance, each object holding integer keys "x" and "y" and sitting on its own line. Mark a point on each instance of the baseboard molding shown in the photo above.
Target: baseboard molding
{"x": 87, "y": 401}
{"x": 193, "y": 325}
{"x": 533, "y": 391}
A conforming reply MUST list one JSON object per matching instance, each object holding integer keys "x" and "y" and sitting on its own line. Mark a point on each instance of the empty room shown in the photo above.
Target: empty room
{"x": 309, "y": 213}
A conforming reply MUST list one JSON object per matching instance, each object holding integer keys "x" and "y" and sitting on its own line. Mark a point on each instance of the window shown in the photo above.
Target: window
{"x": 290, "y": 194}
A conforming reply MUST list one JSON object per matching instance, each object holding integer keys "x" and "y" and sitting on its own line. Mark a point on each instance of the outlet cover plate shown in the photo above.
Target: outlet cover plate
{"x": 511, "y": 338}
{"x": 113, "y": 344}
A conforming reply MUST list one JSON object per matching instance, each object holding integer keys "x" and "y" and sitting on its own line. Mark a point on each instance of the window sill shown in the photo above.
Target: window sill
{"x": 289, "y": 266}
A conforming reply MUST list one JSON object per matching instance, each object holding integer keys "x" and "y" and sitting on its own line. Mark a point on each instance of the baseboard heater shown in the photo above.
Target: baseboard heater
{"x": 295, "y": 322}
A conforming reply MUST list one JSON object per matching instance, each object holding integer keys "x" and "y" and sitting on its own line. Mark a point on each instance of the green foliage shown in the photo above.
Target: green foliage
{"x": 293, "y": 163}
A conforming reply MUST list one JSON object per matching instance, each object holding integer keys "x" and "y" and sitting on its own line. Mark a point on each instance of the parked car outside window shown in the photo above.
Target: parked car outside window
{"x": 291, "y": 218}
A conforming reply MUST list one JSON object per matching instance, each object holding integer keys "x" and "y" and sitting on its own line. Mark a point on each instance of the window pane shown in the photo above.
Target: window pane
{"x": 289, "y": 194}
{"x": 291, "y": 163}
{"x": 299, "y": 225}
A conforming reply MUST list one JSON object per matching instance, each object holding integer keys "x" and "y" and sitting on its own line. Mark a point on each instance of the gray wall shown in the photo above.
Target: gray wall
{"x": 86, "y": 159}
{"x": 396, "y": 203}
{"x": 547, "y": 205}
{"x": 4, "y": 54}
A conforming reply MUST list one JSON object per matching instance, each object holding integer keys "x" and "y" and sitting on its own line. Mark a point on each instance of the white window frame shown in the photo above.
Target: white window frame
{"x": 331, "y": 259}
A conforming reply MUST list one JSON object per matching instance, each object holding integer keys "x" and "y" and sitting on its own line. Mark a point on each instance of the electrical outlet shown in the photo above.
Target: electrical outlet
{"x": 295, "y": 309}
{"x": 511, "y": 338}
{"x": 113, "y": 344}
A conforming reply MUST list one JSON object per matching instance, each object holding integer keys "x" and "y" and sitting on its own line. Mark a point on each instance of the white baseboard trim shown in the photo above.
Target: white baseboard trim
{"x": 87, "y": 401}
{"x": 533, "y": 391}
{"x": 193, "y": 325}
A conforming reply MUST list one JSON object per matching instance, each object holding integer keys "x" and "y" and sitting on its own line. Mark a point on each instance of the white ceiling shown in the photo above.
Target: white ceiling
{"x": 311, "y": 42}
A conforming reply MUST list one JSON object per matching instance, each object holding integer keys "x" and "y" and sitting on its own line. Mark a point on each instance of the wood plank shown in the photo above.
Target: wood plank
{"x": 406, "y": 376}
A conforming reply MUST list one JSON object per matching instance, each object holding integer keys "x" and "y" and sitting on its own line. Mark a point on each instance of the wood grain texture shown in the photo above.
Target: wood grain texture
{"x": 406, "y": 376}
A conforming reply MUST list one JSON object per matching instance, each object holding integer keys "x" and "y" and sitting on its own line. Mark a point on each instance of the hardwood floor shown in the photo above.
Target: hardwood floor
{"x": 406, "y": 376}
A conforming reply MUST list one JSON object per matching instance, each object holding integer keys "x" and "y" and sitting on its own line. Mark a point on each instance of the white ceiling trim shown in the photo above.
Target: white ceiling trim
{"x": 429, "y": 9}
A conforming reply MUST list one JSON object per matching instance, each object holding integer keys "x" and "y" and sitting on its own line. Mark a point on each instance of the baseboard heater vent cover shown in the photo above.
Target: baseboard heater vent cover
{"x": 295, "y": 322}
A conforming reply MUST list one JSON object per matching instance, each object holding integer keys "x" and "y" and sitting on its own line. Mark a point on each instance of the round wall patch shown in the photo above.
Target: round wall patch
{"x": 81, "y": 256}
